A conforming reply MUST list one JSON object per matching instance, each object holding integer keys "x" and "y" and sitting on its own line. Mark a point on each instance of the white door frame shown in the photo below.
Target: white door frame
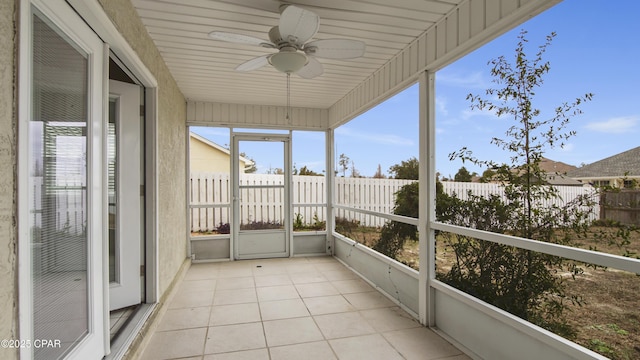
{"x": 93, "y": 14}
{"x": 126, "y": 289}
{"x": 60, "y": 14}
{"x": 236, "y": 137}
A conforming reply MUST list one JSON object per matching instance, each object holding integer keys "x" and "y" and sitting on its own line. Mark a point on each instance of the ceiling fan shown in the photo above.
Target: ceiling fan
{"x": 295, "y": 55}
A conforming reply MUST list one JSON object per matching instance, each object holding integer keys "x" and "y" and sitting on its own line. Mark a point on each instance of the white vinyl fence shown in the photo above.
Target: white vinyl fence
{"x": 64, "y": 206}
{"x": 210, "y": 199}
{"x": 566, "y": 194}
{"x": 210, "y": 202}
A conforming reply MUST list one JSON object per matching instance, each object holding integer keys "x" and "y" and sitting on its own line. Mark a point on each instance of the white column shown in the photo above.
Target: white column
{"x": 330, "y": 179}
{"x": 427, "y": 194}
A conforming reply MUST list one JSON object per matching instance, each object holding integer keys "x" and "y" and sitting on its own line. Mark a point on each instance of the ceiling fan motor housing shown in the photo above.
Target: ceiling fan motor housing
{"x": 276, "y": 38}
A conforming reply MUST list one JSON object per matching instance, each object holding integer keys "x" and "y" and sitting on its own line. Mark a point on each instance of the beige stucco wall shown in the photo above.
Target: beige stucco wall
{"x": 8, "y": 318}
{"x": 204, "y": 158}
{"x": 172, "y": 247}
{"x": 616, "y": 182}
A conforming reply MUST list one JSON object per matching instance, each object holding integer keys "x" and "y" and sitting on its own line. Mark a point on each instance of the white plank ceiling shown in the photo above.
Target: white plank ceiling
{"x": 204, "y": 68}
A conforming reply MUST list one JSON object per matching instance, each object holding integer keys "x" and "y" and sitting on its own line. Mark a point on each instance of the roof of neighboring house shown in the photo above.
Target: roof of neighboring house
{"x": 556, "y": 172}
{"x": 624, "y": 164}
{"x": 552, "y": 167}
{"x": 248, "y": 162}
{"x": 561, "y": 179}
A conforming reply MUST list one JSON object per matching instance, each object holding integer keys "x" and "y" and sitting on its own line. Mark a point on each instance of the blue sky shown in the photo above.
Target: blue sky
{"x": 596, "y": 50}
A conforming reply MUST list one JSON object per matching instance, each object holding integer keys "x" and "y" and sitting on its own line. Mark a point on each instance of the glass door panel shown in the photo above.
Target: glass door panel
{"x": 59, "y": 178}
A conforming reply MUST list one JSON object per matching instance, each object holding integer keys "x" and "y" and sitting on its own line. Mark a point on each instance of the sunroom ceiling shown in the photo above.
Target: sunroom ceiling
{"x": 204, "y": 68}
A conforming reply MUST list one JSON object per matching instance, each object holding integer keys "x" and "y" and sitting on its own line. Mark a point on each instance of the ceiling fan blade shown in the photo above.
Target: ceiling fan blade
{"x": 298, "y": 25}
{"x": 335, "y": 48}
{"x": 239, "y": 39}
{"x": 254, "y": 63}
{"x": 312, "y": 69}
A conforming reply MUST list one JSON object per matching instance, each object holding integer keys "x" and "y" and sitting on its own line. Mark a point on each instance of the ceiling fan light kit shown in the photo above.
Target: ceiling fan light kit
{"x": 288, "y": 61}
{"x": 295, "y": 55}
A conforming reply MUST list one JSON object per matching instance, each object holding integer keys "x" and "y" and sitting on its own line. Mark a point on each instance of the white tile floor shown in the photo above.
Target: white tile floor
{"x": 300, "y": 308}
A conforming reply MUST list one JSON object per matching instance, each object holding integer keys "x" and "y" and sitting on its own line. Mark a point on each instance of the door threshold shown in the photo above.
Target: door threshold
{"x": 118, "y": 320}
{"x": 121, "y": 342}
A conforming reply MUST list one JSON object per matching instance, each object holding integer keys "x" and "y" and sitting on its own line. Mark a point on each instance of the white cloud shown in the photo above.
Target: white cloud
{"x": 441, "y": 105}
{"x": 469, "y": 113}
{"x": 617, "y": 125}
{"x": 384, "y": 139}
{"x": 568, "y": 147}
{"x": 473, "y": 80}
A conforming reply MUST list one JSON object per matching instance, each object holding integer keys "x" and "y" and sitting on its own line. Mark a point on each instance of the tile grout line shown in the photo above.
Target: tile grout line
{"x": 264, "y": 332}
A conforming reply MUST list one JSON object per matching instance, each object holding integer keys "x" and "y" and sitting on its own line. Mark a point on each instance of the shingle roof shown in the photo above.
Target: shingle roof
{"x": 555, "y": 167}
{"x": 560, "y": 179}
{"x": 624, "y": 164}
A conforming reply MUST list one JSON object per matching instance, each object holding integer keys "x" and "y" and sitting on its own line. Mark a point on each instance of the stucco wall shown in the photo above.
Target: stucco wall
{"x": 204, "y": 158}
{"x": 171, "y": 141}
{"x": 8, "y": 328}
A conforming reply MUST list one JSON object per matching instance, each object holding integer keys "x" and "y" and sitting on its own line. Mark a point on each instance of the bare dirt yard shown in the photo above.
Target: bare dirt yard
{"x": 608, "y": 319}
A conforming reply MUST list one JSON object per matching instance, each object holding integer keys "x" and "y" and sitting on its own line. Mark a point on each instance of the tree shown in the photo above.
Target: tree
{"x": 519, "y": 281}
{"x": 306, "y": 171}
{"x": 407, "y": 169}
{"x": 275, "y": 171}
{"x": 344, "y": 164}
{"x": 379, "y": 174}
{"x": 487, "y": 176}
{"x": 394, "y": 234}
{"x": 463, "y": 175}
{"x": 354, "y": 172}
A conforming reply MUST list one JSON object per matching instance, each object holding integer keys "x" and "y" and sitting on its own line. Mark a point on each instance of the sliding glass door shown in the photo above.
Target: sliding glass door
{"x": 65, "y": 180}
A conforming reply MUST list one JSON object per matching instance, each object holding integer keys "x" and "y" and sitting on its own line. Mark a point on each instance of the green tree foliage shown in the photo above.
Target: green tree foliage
{"x": 487, "y": 176}
{"x": 394, "y": 234}
{"x": 519, "y": 281}
{"x": 306, "y": 171}
{"x": 463, "y": 175}
{"x": 407, "y": 169}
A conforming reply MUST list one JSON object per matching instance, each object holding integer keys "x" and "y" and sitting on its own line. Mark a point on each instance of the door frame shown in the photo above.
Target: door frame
{"x": 125, "y": 290}
{"x": 236, "y": 137}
